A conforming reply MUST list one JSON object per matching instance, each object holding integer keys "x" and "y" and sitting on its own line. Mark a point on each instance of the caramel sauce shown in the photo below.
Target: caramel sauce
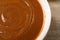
{"x": 20, "y": 19}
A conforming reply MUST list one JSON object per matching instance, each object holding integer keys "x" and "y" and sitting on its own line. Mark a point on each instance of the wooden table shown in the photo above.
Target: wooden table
{"x": 54, "y": 31}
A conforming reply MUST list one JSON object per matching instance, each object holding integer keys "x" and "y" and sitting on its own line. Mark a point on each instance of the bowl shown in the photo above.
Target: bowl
{"x": 47, "y": 19}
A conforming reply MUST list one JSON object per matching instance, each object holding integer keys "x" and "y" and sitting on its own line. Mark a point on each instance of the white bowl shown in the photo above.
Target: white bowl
{"x": 47, "y": 19}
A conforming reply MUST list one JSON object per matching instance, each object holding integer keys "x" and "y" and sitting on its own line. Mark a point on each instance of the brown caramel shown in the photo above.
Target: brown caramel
{"x": 20, "y": 19}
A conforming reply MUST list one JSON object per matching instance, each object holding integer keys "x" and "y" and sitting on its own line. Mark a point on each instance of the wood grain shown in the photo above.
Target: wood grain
{"x": 54, "y": 31}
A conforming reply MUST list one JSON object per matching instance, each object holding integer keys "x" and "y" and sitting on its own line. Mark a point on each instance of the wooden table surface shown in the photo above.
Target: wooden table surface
{"x": 54, "y": 31}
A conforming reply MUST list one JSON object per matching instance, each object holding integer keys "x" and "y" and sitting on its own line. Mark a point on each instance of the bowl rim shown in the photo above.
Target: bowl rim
{"x": 47, "y": 19}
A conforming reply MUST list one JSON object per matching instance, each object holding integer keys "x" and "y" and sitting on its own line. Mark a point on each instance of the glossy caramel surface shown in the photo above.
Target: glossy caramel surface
{"x": 20, "y": 19}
